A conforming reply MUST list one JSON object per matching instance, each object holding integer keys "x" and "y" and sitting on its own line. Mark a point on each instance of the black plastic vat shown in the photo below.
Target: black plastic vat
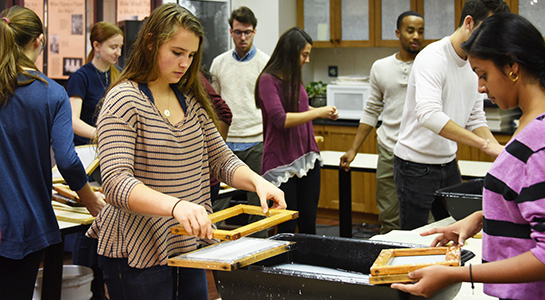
{"x": 462, "y": 199}
{"x": 263, "y": 280}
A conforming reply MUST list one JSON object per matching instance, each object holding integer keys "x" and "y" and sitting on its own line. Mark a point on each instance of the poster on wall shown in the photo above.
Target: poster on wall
{"x": 133, "y": 9}
{"x": 213, "y": 16}
{"x": 37, "y": 6}
{"x": 66, "y": 35}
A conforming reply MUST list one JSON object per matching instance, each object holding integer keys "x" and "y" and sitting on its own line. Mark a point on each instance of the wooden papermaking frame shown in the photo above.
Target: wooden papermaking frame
{"x": 273, "y": 217}
{"x": 382, "y": 272}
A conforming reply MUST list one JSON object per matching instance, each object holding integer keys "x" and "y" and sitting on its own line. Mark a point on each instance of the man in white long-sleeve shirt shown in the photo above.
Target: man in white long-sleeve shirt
{"x": 442, "y": 108}
{"x": 388, "y": 81}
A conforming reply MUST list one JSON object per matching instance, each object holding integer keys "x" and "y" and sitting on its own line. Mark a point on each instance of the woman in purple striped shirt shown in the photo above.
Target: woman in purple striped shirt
{"x": 508, "y": 54}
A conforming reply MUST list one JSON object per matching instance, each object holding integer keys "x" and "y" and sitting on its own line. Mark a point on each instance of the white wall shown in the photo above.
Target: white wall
{"x": 350, "y": 61}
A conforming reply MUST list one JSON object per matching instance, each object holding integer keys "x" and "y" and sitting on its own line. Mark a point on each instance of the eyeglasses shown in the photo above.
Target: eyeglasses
{"x": 239, "y": 33}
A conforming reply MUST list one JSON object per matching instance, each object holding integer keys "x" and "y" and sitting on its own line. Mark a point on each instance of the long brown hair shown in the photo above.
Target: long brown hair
{"x": 285, "y": 64}
{"x": 18, "y": 27}
{"x": 160, "y": 27}
{"x": 101, "y": 32}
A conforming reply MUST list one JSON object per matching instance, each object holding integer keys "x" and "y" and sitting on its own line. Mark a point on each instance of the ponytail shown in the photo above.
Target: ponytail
{"x": 8, "y": 57}
{"x": 18, "y": 27}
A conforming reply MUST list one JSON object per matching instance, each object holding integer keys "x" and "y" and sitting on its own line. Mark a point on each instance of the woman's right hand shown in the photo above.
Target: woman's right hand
{"x": 493, "y": 149}
{"x": 458, "y": 232}
{"x": 328, "y": 112}
{"x": 194, "y": 218}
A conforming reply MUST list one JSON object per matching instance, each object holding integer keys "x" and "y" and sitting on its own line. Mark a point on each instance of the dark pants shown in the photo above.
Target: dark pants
{"x": 302, "y": 194}
{"x": 416, "y": 185}
{"x": 85, "y": 254}
{"x": 17, "y": 277}
{"x": 252, "y": 157}
{"x": 157, "y": 282}
{"x": 214, "y": 191}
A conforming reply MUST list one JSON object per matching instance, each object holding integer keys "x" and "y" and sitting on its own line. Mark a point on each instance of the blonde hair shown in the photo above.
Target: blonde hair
{"x": 101, "y": 32}
{"x": 18, "y": 27}
{"x": 160, "y": 27}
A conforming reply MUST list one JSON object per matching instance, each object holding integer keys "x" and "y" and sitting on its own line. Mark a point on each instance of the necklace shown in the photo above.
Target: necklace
{"x": 103, "y": 78}
{"x": 167, "y": 111}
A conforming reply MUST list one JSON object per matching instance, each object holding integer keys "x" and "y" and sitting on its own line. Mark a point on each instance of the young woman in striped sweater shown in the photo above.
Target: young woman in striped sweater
{"x": 158, "y": 148}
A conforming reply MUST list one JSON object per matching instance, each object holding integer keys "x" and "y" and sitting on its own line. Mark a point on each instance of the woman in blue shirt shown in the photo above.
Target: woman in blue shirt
{"x": 34, "y": 117}
{"x": 88, "y": 85}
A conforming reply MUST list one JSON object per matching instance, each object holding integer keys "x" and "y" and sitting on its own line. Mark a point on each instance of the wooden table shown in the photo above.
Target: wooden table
{"x": 53, "y": 256}
{"x": 367, "y": 162}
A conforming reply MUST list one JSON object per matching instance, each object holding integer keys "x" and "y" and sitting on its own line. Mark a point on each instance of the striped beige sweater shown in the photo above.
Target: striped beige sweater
{"x": 137, "y": 145}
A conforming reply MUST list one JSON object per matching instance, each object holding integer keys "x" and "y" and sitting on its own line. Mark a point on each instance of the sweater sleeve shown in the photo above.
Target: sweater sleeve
{"x": 220, "y": 107}
{"x": 116, "y": 145}
{"x": 77, "y": 85}
{"x": 67, "y": 160}
{"x": 271, "y": 103}
{"x": 223, "y": 162}
{"x": 429, "y": 77}
{"x": 375, "y": 102}
{"x": 532, "y": 201}
{"x": 477, "y": 118}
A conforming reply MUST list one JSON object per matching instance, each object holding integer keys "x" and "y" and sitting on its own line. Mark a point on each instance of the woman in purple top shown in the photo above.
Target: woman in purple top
{"x": 291, "y": 158}
{"x": 508, "y": 54}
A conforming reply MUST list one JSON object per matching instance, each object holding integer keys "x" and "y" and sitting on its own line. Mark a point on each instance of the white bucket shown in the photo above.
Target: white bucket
{"x": 76, "y": 283}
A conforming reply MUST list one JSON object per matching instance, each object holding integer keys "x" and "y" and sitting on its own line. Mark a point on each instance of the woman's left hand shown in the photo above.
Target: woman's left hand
{"x": 246, "y": 179}
{"x": 430, "y": 280}
{"x": 267, "y": 191}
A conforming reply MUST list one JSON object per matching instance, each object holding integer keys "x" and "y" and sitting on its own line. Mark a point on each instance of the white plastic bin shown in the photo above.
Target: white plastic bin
{"x": 76, "y": 283}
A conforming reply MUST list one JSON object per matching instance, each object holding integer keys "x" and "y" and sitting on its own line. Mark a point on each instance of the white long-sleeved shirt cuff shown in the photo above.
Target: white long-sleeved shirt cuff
{"x": 369, "y": 120}
{"x": 436, "y": 121}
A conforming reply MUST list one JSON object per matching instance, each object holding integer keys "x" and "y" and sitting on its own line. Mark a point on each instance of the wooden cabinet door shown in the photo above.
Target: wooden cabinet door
{"x": 386, "y": 13}
{"x": 354, "y": 23}
{"x": 337, "y": 23}
{"x": 316, "y": 18}
{"x": 533, "y": 10}
{"x": 441, "y": 17}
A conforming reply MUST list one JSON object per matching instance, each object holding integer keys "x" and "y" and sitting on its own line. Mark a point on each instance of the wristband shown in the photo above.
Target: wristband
{"x": 172, "y": 212}
{"x": 471, "y": 280}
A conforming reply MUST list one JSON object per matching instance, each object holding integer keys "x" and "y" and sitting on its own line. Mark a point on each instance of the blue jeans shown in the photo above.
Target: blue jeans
{"x": 157, "y": 282}
{"x": 416, "y": 185}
